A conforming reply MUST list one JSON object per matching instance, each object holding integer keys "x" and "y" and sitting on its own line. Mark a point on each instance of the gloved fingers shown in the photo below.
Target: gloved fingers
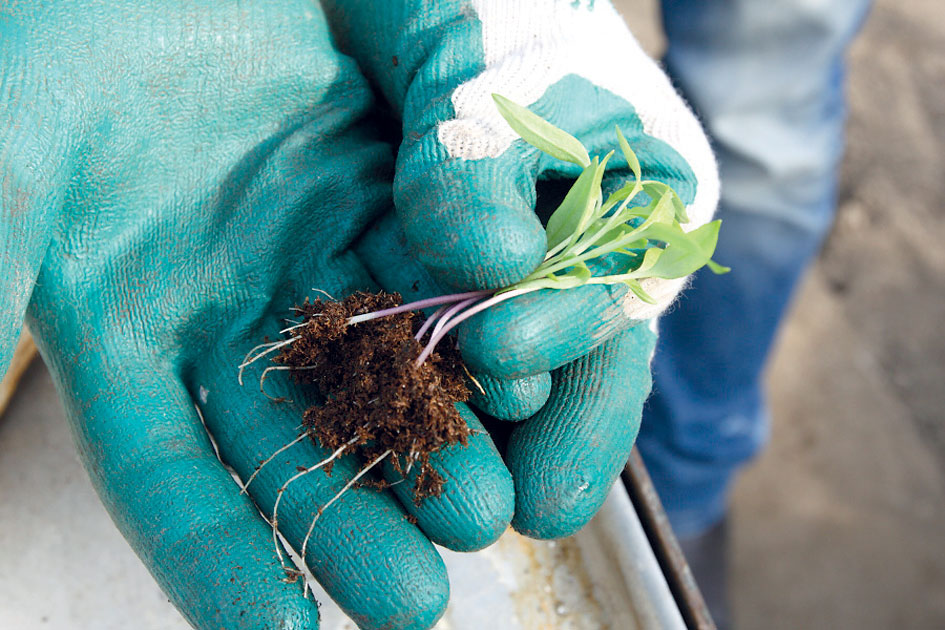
{"x": 545, "y": 329}
{"x": 466, "y": 189}
{"x": 471, "y": 223}
{"x": 379, "y": 568}
{"x": 478, "y": 498}
{"x": 465, "y": 182}
{"x": 511, "y": 399}
{"x": 450, "y": 228}
{"x": 149, "y": 457}
{"x": 383, "y": 250}
{"x": 565, "y": 459}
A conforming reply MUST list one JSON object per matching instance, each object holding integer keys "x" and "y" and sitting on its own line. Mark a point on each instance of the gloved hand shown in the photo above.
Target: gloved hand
{"x": 173, "y": 178}
{"x": 467, "y": 192}
{"x": 168, "y": 209}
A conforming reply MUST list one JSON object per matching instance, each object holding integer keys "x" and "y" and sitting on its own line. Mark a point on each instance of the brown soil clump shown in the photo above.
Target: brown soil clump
{"x": 374, "y": 395}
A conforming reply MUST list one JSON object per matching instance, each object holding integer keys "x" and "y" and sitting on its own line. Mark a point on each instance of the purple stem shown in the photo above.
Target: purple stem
{"x": 416, "y": 306}
{"x": 429, "y": 322}
{"x": 445, "y": 319}
{"x": 458, "y": 319}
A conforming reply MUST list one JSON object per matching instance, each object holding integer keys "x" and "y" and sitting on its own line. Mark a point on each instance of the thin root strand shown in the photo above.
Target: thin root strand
{"x": 337, "y": 496}
{"x": 281, "y": 491}
{"x": 271, "y": 347}
{"x": 269, "y": 459}
{"x": 279, "y": 368}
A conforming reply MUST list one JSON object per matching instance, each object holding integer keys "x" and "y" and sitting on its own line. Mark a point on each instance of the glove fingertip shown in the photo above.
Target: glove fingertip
{"x": 472, "y": 223}
{"x": 558, "y": 490}
{"x": 431, "y": 600}
{"x": 511, "y": 400}
{"x": 545, "y": 516}
{"x": 478, "y": 497}
{"x": 566, "y": 458}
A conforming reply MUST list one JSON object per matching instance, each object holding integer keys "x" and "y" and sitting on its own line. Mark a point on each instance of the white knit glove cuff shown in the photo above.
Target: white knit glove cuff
{"x": 530, "y": 45}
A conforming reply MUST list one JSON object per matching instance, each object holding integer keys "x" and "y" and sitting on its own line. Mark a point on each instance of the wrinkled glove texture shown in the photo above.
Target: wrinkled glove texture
{"x": 470, "y": 196}
{"x": 174, "y": 176}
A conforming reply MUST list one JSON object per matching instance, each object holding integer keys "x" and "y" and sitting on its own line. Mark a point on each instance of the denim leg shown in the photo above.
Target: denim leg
{"x": 766, "y": 78}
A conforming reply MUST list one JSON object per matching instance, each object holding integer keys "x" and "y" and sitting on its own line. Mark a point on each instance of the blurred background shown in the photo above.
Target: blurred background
{"x": 841, "y": 522}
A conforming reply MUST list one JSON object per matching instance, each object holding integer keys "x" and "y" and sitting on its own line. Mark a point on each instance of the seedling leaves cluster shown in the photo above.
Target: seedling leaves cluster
{"x": 641, "y": 222}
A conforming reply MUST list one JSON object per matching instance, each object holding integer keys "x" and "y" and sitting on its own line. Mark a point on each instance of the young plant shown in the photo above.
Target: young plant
{"x": 405, "y": 408}
{"x": 640, "y": 224}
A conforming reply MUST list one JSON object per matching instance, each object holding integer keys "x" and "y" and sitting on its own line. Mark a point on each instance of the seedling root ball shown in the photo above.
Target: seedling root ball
{"x": 373, "y": 390}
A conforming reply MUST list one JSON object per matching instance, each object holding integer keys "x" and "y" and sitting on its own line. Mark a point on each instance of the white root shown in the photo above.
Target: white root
{"x": 275, "y": 508}
{"x": 269, "y": 459}
{"x": 294, "y": 326}
{"x": 411, "y": 459}
{"x": 279, "y": 368}
{"x": 474, "y": 380}
{"x": 325, "y": 293}
{"x": 272, "y": 347}
{"x": 337, "y": 496}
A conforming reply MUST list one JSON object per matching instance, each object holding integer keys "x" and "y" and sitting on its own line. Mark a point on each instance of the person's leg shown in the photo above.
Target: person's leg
{"x": 767, "y": 80}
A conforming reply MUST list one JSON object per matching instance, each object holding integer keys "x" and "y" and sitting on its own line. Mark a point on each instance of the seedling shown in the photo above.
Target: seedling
{"x": 390, "y": 382}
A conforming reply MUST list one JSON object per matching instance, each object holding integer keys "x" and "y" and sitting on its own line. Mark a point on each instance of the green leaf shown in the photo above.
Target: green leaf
{"x": 629, "y": 247}
{"x": 579, "y": 271}
{"x": 615, "y": 234}
{"x": 593, "y": 209}
{"x": 541, "y": 134}
{"x": 718, "y": 269}
{"x": 565, "y": 219}
{"x": 628, "y": 153}
{"x": 638, "y": 291}
{"x": 657, "y": 189}
{"x": 684, "y": 252}
{"x": 663, "y": 212}
{"x": 628, "y": 190}
{"x": 650, "y": 258}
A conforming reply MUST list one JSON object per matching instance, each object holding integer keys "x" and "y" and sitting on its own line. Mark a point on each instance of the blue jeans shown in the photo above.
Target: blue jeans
{"x": 767, "y": 80}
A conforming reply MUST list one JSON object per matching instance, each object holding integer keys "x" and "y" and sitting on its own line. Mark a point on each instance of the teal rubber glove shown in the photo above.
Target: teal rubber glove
{"x": 578, "y": 360}
{"x": 173, "y": 177}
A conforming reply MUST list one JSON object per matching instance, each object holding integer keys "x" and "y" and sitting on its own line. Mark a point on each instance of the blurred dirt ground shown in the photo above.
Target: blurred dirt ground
{"x": 841, "y": 522}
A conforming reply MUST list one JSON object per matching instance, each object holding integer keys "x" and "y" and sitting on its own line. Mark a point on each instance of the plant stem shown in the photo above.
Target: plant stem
{"x": 461, "y": 317}
{"x": 451, "y": 312}
{"x": 430, "y": 321}
{"x": 554, "y": 251}
{"x": 418, "y": 305}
